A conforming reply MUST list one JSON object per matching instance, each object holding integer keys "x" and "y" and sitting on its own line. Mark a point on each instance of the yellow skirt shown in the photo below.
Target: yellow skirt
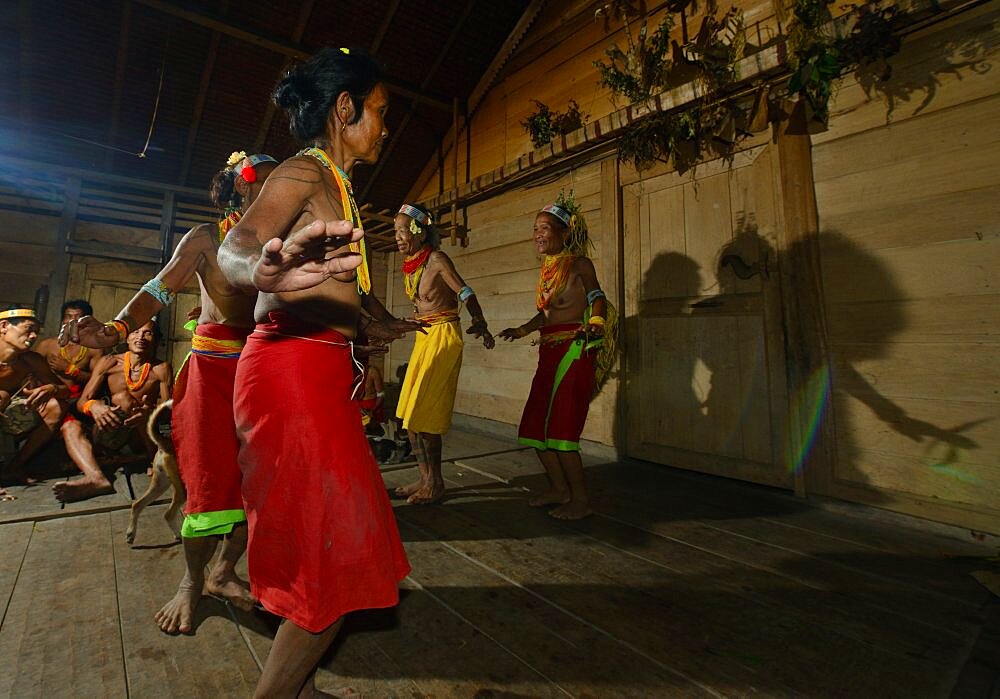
{"x": 427, "y": 398}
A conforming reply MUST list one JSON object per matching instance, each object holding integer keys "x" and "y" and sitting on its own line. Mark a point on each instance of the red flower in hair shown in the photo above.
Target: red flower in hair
{"x": 248, "y": 174}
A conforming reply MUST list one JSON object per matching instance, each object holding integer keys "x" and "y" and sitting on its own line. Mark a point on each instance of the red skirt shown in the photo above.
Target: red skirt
{"x": 203, "y": 429}
{"x": 322, "y": 535}
{"x": 559, "y": 399}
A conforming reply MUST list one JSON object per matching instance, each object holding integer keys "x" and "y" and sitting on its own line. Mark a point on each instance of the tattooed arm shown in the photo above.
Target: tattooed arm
{"x": 262, "y": 252}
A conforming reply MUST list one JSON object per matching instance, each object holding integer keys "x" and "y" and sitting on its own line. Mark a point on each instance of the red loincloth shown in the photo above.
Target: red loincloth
{"x": 323, "y": 537}
{"x": 554, "y": 415}
{"x": 75, "y": 390}
{"x": 203, "y": 429}
{"x": 374, "y": 409}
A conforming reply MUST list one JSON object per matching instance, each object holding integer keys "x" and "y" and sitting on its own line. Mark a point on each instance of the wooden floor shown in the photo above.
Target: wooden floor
{"x": 682, "y": 585}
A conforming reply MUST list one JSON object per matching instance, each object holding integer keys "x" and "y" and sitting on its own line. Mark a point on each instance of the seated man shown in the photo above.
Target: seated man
{"x": 30, "y": 394}
{"x": 133, "y": 383}
{"x": 72, "y": 363}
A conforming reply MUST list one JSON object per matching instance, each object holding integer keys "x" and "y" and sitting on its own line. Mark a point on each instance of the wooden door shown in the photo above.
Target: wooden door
{"x": 705, "y": 379}
{"x": 108, "y": 298}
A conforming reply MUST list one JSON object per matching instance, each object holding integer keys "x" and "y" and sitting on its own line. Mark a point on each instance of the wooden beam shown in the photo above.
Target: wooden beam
{"x": 806, "y": 343}
{"x": 167, "y": 227}
{"x": 111, "y": 251}
{"x": 285, "y": 48}
{"x": 199, "y": 102}
{"x": 384, "y": 28}
{"x": 60, "y": 274}
{"x": 478, "y": 92}
{"x": 93, "y": 176}
{"x": 121, "y": 63}
{"x": 428, "y": 77}
{"x": 305, "y": 12}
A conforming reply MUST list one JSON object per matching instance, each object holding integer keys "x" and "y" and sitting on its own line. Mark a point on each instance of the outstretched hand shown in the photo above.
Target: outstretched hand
{"x": 511, "y": 334}
{"x": 389, "y": 330}
{"x": 480, "y": 331}
{"x": 89, "y": 332}
{"x": 307, "y": 257}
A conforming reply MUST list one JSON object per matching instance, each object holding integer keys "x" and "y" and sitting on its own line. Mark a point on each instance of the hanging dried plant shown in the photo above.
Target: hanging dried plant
{"x": 544, "y": 124}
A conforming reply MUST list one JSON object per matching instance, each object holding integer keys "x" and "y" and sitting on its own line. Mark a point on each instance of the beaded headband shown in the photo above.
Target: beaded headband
{"x": 557, "y": 211}
{"x": 416, "y": 214}
{"x": 18, "y": 313}
{"x": 248, "y": 172}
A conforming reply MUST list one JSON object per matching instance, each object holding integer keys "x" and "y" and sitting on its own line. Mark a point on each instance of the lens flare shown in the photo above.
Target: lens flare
{"x": 812, "y": 400}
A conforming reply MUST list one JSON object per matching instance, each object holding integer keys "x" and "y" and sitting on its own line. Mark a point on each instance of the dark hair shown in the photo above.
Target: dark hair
{"x": 78, "y": 304}
{"x": 223, "y": 191}
{"x": 309, "y": 91}
{"x": 18, "y": 321}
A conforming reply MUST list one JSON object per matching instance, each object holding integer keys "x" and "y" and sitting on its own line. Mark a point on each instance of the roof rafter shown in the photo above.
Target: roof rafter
{"x": 286, "y": 48}
{"x": 199, "y": 103}
{"x": 121, "y": 63}
{"x": 305, "y": 12}
{"x": 384, "y": 28}
{"x": 431, "y": 72}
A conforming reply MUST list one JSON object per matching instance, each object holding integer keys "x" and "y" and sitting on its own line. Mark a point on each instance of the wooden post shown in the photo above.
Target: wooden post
{"x": 60, "y": 275}
{"x": 809, "y": 444}
{"x": 454, "y": 179}
{"x": 167, "y": 227}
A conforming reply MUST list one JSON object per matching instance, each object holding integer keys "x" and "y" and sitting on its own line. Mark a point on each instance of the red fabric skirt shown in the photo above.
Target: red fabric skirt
{"x": 557, "y": 407}
{"x": 323, "y": 537}
{"x": 203, "y": 429}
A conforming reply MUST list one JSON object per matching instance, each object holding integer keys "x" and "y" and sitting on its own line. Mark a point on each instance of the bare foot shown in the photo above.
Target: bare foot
{"x": 405, "y": 491}
{"x": 81, "y": 489}
{"x": 574, "y": 509}
{"x": 177, "y": 615}
{"x": 549, "y": 497}
{"x": 232, "y": 589}
{"x": 427, "y": 495}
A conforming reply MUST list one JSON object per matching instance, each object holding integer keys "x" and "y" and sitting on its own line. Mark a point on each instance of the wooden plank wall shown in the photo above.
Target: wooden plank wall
{"x": 502, "y": 265}
{"x": 910, "y": 253}
{"x": 553, "y": 64}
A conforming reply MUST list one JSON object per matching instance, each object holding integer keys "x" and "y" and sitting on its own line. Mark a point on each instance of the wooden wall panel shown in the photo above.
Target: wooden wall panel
{"x": 907, "y": 189}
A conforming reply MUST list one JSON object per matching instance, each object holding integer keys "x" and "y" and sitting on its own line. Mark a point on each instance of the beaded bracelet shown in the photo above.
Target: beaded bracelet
{"x": 120, "y": 327}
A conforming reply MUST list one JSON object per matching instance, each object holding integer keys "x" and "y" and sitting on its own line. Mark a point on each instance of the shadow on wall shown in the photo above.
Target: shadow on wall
{"x": 701, "y": 399}
{"x": 863, "y": 323}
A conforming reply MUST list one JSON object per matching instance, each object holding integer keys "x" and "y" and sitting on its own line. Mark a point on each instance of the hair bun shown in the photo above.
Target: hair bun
{"x": 294, "y": 91}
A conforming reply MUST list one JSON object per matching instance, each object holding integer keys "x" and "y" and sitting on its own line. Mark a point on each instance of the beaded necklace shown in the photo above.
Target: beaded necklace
{"x": 413, "y": 270}
{"x": 127, "y": 370}
{"x": 75, "y": 360}
{"x": 233, "y": 217}
{"x": 552, "y": 280}
{"x": 350, "y": 209}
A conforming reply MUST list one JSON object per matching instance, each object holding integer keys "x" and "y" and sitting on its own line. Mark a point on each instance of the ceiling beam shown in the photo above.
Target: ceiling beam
{"x": 431, "y": 72}
{"x": 506, "y": 50}
{"x": 199, "y": 102}
{"x": 121, "y": 63}
{"x": 384, "y": 28}
{"x": 305, "y": 12}
{"x": 281, "y": 46}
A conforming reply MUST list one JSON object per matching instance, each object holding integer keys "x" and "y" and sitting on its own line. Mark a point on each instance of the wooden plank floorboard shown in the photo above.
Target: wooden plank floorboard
{"x": 61, "y": 636}
{"x": 419, "y": 649}
{"x": 37, "y": 502}
{"x": 615, "y": 608}
{"x": 652, "y": 504}
{"x": 723, "y": 603}
{"x": 573, "y": 654}
{"x": 213, "y": 662}
{"x": 14, "y": 539}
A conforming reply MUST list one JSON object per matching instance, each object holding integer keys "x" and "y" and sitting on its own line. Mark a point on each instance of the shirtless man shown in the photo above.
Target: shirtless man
{"x": 30, "y": 393}
{"x": 134, "y": 382}
{"x": 203, "y": 430}
{"x": 427, "y": 398}
{"x": 72, "y": 362}
{"x": 571, "y": 317}
{"x": 323, "y": 538}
